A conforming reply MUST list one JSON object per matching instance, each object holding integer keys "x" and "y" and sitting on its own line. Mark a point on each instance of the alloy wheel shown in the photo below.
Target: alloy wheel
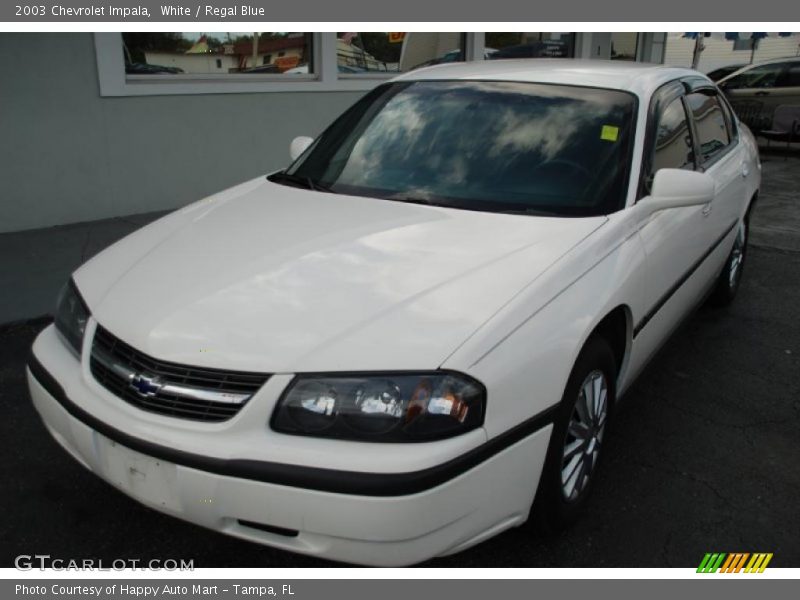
{"x": 737, "y": 256}
{"x": 584, "y": 435}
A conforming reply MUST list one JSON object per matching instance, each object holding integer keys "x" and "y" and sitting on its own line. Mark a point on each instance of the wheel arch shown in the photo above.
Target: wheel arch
{"x": 751, "y": 204}
{"x": 616, "y": 328}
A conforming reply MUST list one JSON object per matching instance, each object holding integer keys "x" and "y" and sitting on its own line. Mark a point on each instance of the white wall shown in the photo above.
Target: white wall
{"x": 69, "y": 155}
{"x": 720, "y": 53}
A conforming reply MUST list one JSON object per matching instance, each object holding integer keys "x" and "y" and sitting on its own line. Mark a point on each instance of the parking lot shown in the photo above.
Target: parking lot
{"x": 703, "y": 455}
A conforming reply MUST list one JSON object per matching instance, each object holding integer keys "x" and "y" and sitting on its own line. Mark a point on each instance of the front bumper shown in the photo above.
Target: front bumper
{"x": 363, "y": 516}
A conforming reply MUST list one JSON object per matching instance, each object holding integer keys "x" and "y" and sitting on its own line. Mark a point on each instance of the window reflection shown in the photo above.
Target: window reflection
{"x": 529, "y": 45}
{"x": 709, "y": 121}
{"x": 480, "y": 145}
{"x": 673, "y": 148}
{"x": 624, "y": 45}
{"x": 366, "y": 52}
{"x": 175, "y": 53}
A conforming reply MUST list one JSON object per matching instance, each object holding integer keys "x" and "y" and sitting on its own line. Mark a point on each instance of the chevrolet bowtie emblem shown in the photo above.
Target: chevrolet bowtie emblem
{"x": 145, "y": 386}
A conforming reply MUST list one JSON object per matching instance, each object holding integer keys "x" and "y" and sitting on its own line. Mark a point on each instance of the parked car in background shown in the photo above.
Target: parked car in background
{"x": 269, "y": 68}
{"x": 415, "y": 336}
{"x": 303, "y": 70}
{"x": 148, "y": 69}
{"x": 722, "y": 72}
{"x": 757, "y": 90}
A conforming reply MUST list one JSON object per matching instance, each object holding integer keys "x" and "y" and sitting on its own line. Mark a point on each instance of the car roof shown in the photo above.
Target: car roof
{"x": 640, "y": 78}
{"x": 771, "y": 61}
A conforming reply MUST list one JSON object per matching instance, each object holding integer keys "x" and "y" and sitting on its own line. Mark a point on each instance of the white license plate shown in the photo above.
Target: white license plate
{"x": 149, "y": 480}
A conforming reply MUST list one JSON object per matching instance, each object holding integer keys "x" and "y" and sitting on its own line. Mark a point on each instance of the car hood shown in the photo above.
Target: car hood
{"x": 265, "y": 277}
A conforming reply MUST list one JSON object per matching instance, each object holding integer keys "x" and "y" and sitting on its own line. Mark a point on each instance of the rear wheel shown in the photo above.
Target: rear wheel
{"x": 576, "y": 443}
{"x": 728, "y": 283}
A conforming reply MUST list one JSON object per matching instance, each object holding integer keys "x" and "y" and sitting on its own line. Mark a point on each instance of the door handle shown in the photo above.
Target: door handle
{"x": 761, "y": 94}
{"x": 707, "y": 209}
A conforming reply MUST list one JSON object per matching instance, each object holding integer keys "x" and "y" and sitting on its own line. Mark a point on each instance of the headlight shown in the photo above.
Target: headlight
{"x": 72, "y": 314}
{"x": 390, "y": 407}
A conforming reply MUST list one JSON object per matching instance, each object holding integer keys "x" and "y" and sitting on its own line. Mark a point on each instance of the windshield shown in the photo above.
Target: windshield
{"x": 479, "y": 145}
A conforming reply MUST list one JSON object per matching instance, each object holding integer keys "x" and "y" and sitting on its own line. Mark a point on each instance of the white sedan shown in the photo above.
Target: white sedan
{"x": 414, "y": 337}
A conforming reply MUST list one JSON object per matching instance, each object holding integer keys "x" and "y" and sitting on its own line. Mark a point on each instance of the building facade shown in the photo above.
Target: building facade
{"x": 100, "y": 125}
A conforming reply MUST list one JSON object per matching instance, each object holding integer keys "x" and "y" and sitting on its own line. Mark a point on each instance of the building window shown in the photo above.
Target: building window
{"x": 383, "y": 52}
{"x": 624, "y": 45}
{"x": 529, "y": 45}
{"x": 186, "y": 53}
{"x": 236, "y": 62}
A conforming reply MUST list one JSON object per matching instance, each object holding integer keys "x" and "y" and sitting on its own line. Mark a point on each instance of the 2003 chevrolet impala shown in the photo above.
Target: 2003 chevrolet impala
{"x": 413, "y": 337}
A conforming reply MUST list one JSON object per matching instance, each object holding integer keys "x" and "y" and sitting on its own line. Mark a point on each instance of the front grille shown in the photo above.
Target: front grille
{"x": 169, "y": 389}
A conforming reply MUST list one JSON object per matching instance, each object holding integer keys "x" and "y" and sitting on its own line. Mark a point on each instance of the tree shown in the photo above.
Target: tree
{"x": 214, "y": 44}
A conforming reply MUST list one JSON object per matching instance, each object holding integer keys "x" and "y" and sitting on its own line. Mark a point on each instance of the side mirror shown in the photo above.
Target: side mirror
{"x": 299, "y": 145}
{"x": 674, "y": 188}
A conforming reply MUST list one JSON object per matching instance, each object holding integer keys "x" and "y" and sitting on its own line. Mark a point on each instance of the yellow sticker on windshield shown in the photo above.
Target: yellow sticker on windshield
{"x": 609, "y": 133}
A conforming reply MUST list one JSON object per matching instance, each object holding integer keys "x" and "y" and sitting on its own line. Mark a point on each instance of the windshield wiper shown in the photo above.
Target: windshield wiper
{"x": 536, "y": 212}
{"x": 428, "y": 201}
{"x": 413, "y": 200}
{"x": 305, "y": 182}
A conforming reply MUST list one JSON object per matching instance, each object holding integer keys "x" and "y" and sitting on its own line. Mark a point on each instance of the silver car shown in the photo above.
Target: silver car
{"x": 757, "y": 90}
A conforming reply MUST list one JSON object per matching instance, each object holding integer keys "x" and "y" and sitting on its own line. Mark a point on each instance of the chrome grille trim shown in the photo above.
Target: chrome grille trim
{"x": 181, "y": 391}
{"x": 168, "y": 388}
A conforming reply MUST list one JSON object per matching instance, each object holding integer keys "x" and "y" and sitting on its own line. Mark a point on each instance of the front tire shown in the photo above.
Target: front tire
{"x": 576, "y": 442}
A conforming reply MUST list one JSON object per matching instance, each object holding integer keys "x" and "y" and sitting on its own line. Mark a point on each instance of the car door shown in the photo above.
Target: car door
{"x": 673, "y": 239}
{"x": 721, "y": 156}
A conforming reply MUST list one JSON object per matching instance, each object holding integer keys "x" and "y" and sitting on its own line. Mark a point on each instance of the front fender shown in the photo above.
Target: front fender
{"x": 525, "y": 353}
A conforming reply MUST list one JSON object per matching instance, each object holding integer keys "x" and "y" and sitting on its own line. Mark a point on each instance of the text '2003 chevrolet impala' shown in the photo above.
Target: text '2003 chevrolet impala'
{"x": 414, "y": 336}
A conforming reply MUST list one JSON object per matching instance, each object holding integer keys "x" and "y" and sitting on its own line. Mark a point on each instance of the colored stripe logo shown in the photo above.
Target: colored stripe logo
{"x": 735, "y": 562}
